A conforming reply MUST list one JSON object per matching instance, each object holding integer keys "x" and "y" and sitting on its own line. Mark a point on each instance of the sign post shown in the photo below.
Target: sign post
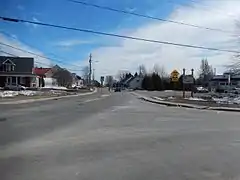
{"x": 102, "y": 80}
{"x": 174, "y": 78}
{"x": 188, "y": 80}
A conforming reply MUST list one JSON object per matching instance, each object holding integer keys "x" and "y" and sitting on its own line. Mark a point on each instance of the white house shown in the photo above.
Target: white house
{"x": 135, "y": 82}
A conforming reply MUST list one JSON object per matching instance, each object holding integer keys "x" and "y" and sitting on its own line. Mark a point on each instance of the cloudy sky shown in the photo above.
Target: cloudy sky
{"x": 71, "y": 49}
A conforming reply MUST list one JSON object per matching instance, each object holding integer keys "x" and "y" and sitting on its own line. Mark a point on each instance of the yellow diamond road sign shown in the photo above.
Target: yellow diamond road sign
{"x": 174, "y": 76}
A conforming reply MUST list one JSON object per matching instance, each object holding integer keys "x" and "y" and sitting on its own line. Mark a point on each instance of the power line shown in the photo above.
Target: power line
{"x": 8, "y": 53}
{"x": 149, "y": 17}
{"x": 38, "y": 55}
{"x": 45, "y": 64}
{"x": 54, "y": 60}
{"x": 18, "y": 56}
{"x": 119, "y": 36}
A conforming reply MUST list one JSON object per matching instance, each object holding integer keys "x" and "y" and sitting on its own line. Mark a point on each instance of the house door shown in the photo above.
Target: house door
{"x": 9, "y": 80}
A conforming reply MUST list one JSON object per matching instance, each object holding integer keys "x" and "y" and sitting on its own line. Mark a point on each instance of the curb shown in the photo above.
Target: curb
{"x": 171, "y": 104}
{"x": 46, "y": 99}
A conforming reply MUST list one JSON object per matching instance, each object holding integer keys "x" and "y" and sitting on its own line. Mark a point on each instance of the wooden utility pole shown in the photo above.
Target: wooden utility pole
{"x": 183, "y": 76}
{"x": 90, "y": 68}
{"x": 192, "y": 85}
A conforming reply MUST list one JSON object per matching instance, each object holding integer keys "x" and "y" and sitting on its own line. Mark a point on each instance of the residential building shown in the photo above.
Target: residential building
{"x": 44, "y": 77}
{"x": 135, "y": 82}
{"x": 77, "y": 81}
{"x": 221, "y": 82}
{"x": 16, "y": 71}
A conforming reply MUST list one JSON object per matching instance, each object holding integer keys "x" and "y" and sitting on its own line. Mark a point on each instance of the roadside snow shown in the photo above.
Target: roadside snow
{"x": 17, "y": 93}
{"x": 227, "y": 100}
{"x": 8, "y": 93}
{"x": 54, "y": 87}
{"x": 158, "y": 98}
{"x": 195, "y": 99}
{"x": 28, "y": 93}
{"x": 236, "y": 100}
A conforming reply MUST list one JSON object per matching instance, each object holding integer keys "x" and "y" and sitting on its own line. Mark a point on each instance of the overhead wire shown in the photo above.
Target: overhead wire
{"x": 37, "y": 55}
{"x": 16, "y": 20}
{"x": 148, "y": 16}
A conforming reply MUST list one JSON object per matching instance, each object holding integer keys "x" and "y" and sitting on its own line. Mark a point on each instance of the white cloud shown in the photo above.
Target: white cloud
{"x": 130, "y": 54}
{"x": 39, "y": 61}
{"x": 71, "y": 42}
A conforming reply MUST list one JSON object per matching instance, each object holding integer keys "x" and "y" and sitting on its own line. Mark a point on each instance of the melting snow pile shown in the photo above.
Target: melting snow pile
{"x": 195, "y": 99}
{"x": 227, "y": 100}
{"x": 54, "y": 87}
{"x": 8, "y": 93}
{"x": 17, "y": 93}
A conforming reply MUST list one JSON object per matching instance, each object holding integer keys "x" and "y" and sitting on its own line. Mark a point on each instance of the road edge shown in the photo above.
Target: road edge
{"x": 46, "y": 99}
{"x": 172, "y": 104}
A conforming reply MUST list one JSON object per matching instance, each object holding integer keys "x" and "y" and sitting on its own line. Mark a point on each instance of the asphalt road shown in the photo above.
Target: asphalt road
{"x": 117, "y": 137}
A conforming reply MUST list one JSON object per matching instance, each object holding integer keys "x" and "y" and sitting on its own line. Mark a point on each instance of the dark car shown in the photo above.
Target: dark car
{"x": 117, "y": 89}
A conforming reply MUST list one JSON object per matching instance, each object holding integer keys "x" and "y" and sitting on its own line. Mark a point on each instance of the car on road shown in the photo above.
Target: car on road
{"x": 14, "y": 87}
{"x": 117, "y": 89}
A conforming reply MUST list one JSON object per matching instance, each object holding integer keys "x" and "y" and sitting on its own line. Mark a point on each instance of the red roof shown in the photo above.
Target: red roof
{"x": 40, "y": 71}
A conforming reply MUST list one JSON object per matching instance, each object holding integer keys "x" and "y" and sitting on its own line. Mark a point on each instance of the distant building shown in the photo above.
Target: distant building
{"x": 16, "y": 71}
{"x": 44, "y": 77}
{"x": 77, "y": 81}
{"x": 221, "y": 82}
{"x": 135, "y": 82}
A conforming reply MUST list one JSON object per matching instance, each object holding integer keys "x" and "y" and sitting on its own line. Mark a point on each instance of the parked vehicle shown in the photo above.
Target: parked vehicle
{"x": 235, "y": 91}
{"x": 14, "y": 87}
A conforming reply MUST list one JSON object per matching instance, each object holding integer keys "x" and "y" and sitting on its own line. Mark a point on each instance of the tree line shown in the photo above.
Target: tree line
{"x": 158, "y": 80}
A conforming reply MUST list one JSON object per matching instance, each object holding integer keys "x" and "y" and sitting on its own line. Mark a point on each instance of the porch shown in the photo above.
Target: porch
{"x": 16, "y": 80}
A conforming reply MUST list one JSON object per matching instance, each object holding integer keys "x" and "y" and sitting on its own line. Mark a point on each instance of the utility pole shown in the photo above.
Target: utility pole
{"x": 192, "y": 85}
{"x": 183, "y": 76}
{"x": 90, "y": 68}
{"x": 93, "y": 74}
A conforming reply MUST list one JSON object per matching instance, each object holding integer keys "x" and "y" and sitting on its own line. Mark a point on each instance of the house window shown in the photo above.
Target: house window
{"x": 8, "y": 66}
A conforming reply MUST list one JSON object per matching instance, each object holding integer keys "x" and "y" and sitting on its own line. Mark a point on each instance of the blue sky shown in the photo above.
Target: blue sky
{"x": 117, "y": 54}
{"x": 70, "y": 14}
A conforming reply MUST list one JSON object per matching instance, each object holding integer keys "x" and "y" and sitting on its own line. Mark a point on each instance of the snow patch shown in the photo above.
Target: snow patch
{"x": 17, "y": 93}
{"x": 171, "y": 98}
{"x": 54, "y": 87}
{"x": 195, "y": 99}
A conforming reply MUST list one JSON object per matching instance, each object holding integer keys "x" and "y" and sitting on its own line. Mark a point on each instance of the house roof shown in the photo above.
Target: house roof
{"x": 23, "y": 64}
{"x": 41, "y": 71}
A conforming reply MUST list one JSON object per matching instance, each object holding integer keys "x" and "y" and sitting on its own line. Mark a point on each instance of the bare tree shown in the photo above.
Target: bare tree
{"x": 85, "y": 74}
{"x": 160, "y": 70}
{"x": 142, "y": 70}
{"x": 205, "y": 72}
{"x": 122, "y": 74}
{"x": 64, "y": 77}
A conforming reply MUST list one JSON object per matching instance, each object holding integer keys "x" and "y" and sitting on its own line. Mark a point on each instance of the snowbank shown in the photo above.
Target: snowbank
{"x": 227, "y": 100}
{"x": 54, "y": 87}
{"x": 171, "y": 98}
{"x": 17, "y": 93}
{"x": 195, "y": 99}
{"x": 8, "y": 93}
